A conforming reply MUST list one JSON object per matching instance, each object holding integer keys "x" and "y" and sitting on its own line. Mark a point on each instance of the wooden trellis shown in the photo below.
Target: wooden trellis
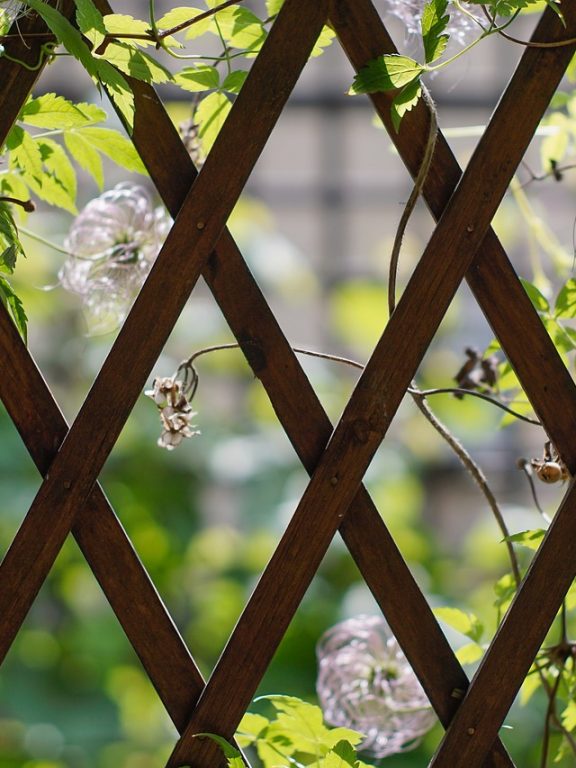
{"x": 462, "y": 246}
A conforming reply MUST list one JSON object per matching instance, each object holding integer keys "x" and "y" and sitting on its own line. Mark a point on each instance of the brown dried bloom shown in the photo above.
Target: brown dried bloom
{"x": 176, "y": 413}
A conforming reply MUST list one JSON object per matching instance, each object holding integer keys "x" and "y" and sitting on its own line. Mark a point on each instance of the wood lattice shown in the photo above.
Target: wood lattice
{"x": 462, "y": 246}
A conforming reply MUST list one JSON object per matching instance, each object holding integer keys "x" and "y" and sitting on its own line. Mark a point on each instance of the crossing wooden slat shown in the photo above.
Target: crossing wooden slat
{"x": 275, "y": 364}
{"x": 101, "y": 537}
{"x": 85, "y": 448}
{"x": 491, "y": 276}
{"x": 515, "y": 645}
{"x": 98, "y": 532}
{"x": 380, "y": 389}
{"x": 484, "y": 277}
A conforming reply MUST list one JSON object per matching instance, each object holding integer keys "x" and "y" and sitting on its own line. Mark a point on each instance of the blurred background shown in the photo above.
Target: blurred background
{"x": 316, "y": 226}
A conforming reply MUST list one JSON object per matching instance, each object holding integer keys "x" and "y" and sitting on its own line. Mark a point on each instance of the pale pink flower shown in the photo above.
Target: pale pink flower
{"x": 366, "y": 683}
{"x": 112, "y": 245}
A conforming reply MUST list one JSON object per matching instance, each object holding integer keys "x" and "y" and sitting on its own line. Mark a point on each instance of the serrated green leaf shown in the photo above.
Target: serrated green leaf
{"x": 239, "y": 27}
{"x": 115, "y": 146}
{"x": 124, "y": 24}
{"x": 181, "y": 15}
{"x": 466, "y": 623}
{"x": 539, "y": 301}
{"x": 405, "y": 101}
{"x": 57, "y": 164}
{"x": 234, "y": 81}
{"x": 118, "y": 90}
{"x": 67, "y": 34}
{"x": 14, "y": 306}
{"x": 530, "y": 539}
{"x": 198, "y": 78}
{"x": 135, "y": 63}
{"x": 24, "y": 153}
{"x": 325, "y": 38}
{"x": 210, "y": 116}
{"x": 90, "y": 21}
{"x": 434, "y": 22}
{"x": 386, "y": 73}
{"x": 85, "y": 155}
{"x": 565, "y": 305}
{"x": 469, "y": 653}
{"x": 57, "y": 113}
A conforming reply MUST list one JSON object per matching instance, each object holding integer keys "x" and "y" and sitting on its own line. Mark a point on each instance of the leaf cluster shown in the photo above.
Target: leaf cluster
{"x": 296, "y": 735}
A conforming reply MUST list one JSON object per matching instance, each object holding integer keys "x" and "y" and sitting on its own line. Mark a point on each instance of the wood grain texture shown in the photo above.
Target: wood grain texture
{"x": 273, "y": 361}
{"x": 75, "y": 469}
{"x": 380, "y": 389}
{"x": 97, "y": 530}
{"x": 491, "y": 277}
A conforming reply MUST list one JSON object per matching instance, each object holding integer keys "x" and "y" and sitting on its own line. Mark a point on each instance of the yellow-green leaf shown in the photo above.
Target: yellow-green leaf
{"x": 210, "y": 116}
{"x": 466, "y": 623}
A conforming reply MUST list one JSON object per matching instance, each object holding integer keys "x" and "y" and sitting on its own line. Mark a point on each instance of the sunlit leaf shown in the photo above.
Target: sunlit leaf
{"x": 433, "y": 24}
{"x": 530, "y": 539}
{"x": 466, "y": 623}
{"x": 405, "y": 101}
{"x": 386, "y": 73}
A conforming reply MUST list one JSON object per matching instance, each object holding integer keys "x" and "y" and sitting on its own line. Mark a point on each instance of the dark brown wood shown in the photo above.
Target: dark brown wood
{"x": 381, "y": 387}
{"x": 85, "y": 448}
{"x": 491, "y": 276}
{"x": 68, "y": 496}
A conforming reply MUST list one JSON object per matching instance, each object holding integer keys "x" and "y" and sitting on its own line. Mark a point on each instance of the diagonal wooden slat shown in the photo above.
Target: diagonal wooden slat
{"x": 380, "y": 388}
{"x": 101, "y": 537}
{"x": 491, "y": 277}
{"x": 170, "y": 160}
{"x": 74, "y": 470}
{"x": 246, "y": 350}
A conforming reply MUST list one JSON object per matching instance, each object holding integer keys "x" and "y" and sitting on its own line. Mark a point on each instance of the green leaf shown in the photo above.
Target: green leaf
{"x": 115, "y": 146}
{"x": 466, "y": 623}
{"x": 554, "y": 147}
{"x": 210, "y": 116}
{"x": 273, "y": 6}
{"x": 123, "y": 24}
{"x": 405, "y": 101}
{"x": 85, "y": 155}
{"x": 569, "y": 716}
{"x": 90, "y": 21}
{"x": 434, "y": 22}
{"x": 181, "y": 15}
{"x": 539, "y": 301}
{"x": 67, "y": 34}
{"x": 239, "y": 27}
{"x": 24, "y": 153}
{"x": 325, "y": 38}
{"x": 118, "y": 90}
{"x": 251, "y": 728}
{"x": 566, "y": 300}
{"x": 135, "y": 63}
{"x": 234, "y": 81}
{"x": 530, "y": 539}
{"x": 15, "y": 307}
{"x": 198, "y": 78}
{"x": 10, "y": 245}
{"x": 227, "y": 748}
{"x": 504, "y": 589}
{"x": 469, "y": 653}
{"x": 57, "y": 113}
{"x": 386, "y": 73}
{"x": 302, "y": 725}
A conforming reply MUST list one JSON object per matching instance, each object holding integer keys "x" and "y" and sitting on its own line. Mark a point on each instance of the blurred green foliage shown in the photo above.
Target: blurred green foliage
{"x": 206, "y": 518}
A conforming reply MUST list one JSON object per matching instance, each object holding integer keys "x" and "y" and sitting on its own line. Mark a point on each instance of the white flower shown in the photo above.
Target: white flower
{"x": 366, "y": 683}
{"x": 112, "y": 244}
{"x": 176, "y": 413}
{"x": 460, "y": 28}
